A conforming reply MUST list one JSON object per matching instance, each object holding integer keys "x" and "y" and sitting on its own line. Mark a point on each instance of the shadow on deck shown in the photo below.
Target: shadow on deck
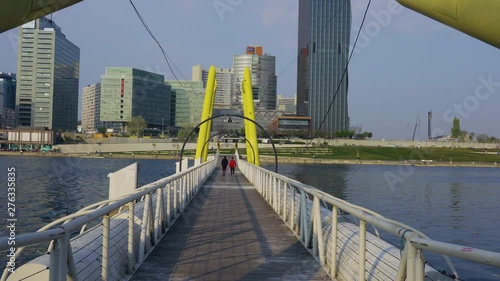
{"x": 228, "y": 232}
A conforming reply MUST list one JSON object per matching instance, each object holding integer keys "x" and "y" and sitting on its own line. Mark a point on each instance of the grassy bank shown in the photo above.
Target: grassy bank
{"x": 352, "y": 153}
{"x": 388, "y": 154}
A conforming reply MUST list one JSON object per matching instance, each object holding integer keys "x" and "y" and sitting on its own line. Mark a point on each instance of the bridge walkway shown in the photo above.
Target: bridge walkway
{"x": 228, "y": 232}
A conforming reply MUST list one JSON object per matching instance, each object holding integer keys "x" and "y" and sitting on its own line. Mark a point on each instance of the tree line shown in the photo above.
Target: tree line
{"x": 462, "y": 135}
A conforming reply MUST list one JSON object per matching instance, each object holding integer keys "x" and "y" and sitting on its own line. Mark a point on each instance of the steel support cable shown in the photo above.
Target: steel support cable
{"x": 167, "y": 58}
{"x": 344, "y": 73}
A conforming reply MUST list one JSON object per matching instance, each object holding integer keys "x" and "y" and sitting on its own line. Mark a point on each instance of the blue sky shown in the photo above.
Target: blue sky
{"x": 405, "y": 62}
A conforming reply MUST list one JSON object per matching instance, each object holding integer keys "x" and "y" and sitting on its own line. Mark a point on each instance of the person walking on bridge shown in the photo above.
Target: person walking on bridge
{"x": 232, "y": 165}
{"x": 224, "y": 165}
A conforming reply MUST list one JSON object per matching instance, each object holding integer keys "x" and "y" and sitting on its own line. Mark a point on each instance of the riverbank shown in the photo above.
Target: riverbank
{"x": 424, "y": 163}
{"x": 266, "y": 159}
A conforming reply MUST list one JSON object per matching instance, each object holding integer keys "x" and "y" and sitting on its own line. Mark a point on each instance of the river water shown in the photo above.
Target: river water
{"x": 455, "y": 205}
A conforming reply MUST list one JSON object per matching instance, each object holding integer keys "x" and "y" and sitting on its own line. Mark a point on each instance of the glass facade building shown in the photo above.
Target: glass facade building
{"x": 323, "y": 50}
{"x": 264, "y": 80}
{"x": 128, "y": 92}
{"x": 91, "y": 108}
{"x": 48, "y": 74}
{"x": 188, "y": 97}
{"x": 7, "y": 99}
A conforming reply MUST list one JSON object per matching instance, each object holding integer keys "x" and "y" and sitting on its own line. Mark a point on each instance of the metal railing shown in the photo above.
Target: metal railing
{"x": 128, "y": 230}
{"x": 319, "y": 228}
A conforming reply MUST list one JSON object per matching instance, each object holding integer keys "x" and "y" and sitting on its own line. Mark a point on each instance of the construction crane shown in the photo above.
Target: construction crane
{"x": 477, "y": 18}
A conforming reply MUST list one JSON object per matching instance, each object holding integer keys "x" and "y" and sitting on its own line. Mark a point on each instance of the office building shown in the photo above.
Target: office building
{"x": 48, "y": 73}
{"x": 128, "y": 92}
{"x": 7, "y": 100}
{"x": 224, "y": 79}
{"x": 187, "y": 99}
{"x": 288, "y": 105}
{"x": 263, "y": 69}
{"x": 323, "y": 50}
{"x": 91, "y": 108}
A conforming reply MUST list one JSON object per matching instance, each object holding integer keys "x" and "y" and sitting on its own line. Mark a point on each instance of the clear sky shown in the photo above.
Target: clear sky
{"x": 405, "y": 63}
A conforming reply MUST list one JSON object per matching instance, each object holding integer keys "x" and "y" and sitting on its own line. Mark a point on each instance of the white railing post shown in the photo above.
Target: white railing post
{"x": 105, "y": 247}
{"x": 169, "y": 203}
{"x": 130, "y": 248}
{"x": 55, "y": 257}
{"x": 419, "y": 266}
{"x": 410, "y": 265}
{"x": 333, "y": 258}
{"x": 314, "y": 236}
{"x": 150, "y": 223}
{"x": 319, "y": 230}
{"x": 292, "y": 211}
{"x": 158, "y": 217}
{"x": 278, "y": 195}
{"x": 304, "y": 224}
{"x": 63, "y": 256}
{"x": 362, "y": 250}
{"x": 402, "y": 265}
{"x": 164, "y": 223}
{"x": 72, "y": 274}
{"x": 285, "y": 202}
{"x": 144, "y": 227}
{"x": 176, "y": 187}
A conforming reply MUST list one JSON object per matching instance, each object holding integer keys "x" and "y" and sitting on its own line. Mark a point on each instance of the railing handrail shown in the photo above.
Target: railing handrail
{"x": 171, "y": 196}
{"x": 416, "y": 238}
{"x": 68, "y": 227}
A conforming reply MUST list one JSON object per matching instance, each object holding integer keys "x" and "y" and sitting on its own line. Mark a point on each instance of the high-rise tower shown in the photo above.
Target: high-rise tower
{"x": 323, "y": 50}
{"x": 263, "y": 69}
{"x": 48, "y": 72}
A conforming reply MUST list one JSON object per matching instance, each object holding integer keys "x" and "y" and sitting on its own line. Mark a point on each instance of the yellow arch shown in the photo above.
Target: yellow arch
{"x": 208, "y": 106}
{"x": 248, "y": 112}
{"x": 477, "y": 18}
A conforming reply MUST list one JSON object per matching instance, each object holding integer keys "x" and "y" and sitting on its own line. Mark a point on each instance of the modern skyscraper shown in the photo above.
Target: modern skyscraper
{"x": 7, "y": 99}
{"x": 323, "y": 50}
{"x": 263, "y": 69}
{"x": 91, "y": 107}
{"x": 48, "y": 72}
{"x": 128, "y": 92}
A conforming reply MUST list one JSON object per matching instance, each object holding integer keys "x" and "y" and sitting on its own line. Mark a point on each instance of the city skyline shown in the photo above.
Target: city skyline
{"x": 404, "y": 62}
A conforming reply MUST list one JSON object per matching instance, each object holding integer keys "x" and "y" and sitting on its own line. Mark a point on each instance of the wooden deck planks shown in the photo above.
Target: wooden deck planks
{"x": 228, "y": 232}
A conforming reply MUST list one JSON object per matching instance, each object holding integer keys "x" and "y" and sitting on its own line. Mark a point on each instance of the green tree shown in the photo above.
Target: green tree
{"x": 102, "y": 130}
{"x": 370, "y": 135}
{"x": 492, "y": 139}
{"x": 455, "y": 129}
{"x": 184, "y": 133}
{"x": 136, "y": 125}
{"x": 471, "y": 136}
{"x": 482, "y": 138}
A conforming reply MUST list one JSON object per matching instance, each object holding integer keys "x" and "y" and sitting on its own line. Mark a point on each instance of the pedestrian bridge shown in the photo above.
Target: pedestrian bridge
{"x": 254, "y": 225}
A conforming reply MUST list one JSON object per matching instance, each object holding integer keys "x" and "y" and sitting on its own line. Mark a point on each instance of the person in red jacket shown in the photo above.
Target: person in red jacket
{"x": 232, "y": 165}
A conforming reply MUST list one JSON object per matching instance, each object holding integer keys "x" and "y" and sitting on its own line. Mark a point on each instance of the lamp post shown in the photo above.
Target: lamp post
{"x": 162, "y": 119}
